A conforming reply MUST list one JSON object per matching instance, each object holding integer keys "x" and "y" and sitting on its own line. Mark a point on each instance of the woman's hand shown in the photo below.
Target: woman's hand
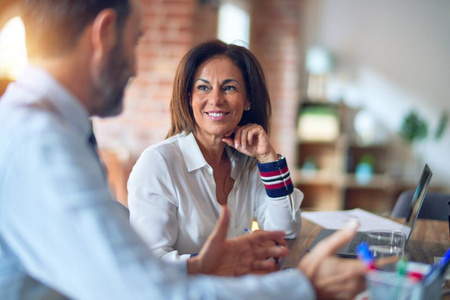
{"x": 253, "y": 141}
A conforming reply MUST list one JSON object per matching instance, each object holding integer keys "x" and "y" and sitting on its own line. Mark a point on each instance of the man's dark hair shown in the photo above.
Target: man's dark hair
{"x": 54, "y": 26}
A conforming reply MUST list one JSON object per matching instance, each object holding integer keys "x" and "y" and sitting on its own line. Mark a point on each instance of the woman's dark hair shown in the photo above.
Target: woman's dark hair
{"x": 181, "y": 114}
{"x": 54, "y": 26}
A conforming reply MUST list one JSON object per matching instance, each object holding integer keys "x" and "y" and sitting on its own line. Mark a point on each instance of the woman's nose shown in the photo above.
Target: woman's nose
{"x": 216, "y": 97}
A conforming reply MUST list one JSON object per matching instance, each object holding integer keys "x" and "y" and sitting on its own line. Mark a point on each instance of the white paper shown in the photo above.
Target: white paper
{"x": 337, "y": 219}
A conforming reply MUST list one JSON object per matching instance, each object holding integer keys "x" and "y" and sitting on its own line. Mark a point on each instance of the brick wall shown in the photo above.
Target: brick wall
{"x": 275, "y": 44}
{"x": 172, "y": 28}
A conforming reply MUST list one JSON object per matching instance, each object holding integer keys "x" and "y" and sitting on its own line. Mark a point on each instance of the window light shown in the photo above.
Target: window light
{"x": 13, "y": 53}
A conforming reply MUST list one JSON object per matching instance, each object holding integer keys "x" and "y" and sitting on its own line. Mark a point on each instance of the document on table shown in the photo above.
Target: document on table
{"x": 337, "y": 219}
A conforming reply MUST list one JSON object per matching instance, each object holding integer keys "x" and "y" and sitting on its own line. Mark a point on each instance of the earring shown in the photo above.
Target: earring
{"x": 247, "y": 108}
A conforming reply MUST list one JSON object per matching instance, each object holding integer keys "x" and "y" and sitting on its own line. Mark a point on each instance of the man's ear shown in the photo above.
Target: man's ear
{"x": 104, "y": 33}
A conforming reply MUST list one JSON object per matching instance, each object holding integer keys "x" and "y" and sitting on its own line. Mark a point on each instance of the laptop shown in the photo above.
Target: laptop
{"x": 349, "y": 250}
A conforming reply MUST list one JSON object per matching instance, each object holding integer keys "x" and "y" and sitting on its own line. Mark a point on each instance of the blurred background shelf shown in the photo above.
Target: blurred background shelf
{"x": 341, "y": 172}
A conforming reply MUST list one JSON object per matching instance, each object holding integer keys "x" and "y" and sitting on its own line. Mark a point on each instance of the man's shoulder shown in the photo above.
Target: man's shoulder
{"x": 26, "y": 125}
{"x": 30, "y": 118}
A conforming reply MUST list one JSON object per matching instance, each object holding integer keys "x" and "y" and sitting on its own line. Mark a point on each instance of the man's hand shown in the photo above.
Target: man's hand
{"x": 237, "y": 256}
{"x": 272, "y": 243}
{"x": 333, "y": 277}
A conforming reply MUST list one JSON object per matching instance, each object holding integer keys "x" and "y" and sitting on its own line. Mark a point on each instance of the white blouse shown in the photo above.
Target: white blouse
{"x": 173, "y": 205}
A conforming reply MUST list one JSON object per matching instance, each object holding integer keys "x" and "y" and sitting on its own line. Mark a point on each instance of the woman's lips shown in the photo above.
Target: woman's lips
{"x": 216, "y": 115}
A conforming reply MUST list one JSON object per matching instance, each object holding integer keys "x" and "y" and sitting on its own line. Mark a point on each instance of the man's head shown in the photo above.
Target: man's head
{"x": 53, "y": 27}
{"x": 93, "y": 43}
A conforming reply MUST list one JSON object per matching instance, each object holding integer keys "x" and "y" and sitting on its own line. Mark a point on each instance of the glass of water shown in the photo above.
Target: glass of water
{"x": 386, "y": 243}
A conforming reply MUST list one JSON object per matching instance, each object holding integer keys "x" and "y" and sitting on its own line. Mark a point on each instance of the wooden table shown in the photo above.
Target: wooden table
{"x": 430, "y": 238}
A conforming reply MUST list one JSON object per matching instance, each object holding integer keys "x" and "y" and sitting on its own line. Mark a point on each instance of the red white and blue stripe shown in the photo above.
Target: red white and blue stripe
{"x": 276, "y": 178}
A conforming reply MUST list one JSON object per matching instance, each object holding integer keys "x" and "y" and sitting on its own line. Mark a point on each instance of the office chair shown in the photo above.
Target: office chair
{"x": 434, "y": 207}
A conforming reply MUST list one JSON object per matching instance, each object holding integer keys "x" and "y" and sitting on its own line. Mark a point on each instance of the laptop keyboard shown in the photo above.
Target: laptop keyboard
{"x": 355, "y": 242}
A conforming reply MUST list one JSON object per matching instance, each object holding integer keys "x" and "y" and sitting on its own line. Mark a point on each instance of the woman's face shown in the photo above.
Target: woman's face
{"x": 218, "y": 96}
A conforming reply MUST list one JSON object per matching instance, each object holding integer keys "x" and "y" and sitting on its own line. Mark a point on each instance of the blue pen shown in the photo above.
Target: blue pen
{"x": 438, "y": 269}
{"x": 363, "y": 253}
{"x": 448, "y": 215}
{"x": 432, "y": 274}
{"x": 445, "y": 260}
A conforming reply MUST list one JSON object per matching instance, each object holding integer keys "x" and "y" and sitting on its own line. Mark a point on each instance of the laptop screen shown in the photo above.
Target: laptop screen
{"x": 416, "y": 201}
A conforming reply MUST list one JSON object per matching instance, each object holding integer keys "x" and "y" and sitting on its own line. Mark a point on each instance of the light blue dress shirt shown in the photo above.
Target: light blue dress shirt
{"x": 60, "y": 227}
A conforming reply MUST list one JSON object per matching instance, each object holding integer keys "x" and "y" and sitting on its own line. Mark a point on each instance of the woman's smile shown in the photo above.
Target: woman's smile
{"x": 217, "y": 115}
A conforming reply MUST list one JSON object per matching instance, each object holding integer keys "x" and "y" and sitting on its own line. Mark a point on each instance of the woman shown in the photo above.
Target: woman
{"x": 220, "y": 111}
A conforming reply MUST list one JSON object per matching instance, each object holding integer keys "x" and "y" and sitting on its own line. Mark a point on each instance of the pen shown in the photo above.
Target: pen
{"x": 445, "y": 260}
{"x": 400, "y": 278}
{"x": 401, "y": 270}
{"x": 401, "y": 266}
{"x": 415, "y": 276}
{"x": 363, "y": 253}
{"x": 448, "y": 215}
{"x": 438, "y": 269}
{"x": 432, "y": 274}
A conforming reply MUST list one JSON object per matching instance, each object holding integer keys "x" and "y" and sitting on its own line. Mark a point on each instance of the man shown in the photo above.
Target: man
{"x": 59, "y": 226}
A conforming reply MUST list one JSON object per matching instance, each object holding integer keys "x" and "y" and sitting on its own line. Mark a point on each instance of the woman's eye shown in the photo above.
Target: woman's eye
{"x": 229, "y": 88}
{"x": 202, "y": 87}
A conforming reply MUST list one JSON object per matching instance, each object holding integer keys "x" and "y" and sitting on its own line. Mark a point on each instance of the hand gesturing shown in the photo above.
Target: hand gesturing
{"x": 237, "y": 256}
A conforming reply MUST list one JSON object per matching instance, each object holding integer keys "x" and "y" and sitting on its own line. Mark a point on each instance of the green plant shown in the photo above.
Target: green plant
{"x": 442, "y": 124}
{"x": 367, "y": 159}
{"x": 413, "y": 127}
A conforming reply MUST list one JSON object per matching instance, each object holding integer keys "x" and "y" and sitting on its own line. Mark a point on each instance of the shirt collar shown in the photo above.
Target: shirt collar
{"x": 190, "y": 150}
{"x": 41, "y": 83}
{"x": 193, "y": 156}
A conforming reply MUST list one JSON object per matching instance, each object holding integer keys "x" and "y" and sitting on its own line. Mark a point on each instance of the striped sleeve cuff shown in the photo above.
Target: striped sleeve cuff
{"x": 276, "y": 178}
